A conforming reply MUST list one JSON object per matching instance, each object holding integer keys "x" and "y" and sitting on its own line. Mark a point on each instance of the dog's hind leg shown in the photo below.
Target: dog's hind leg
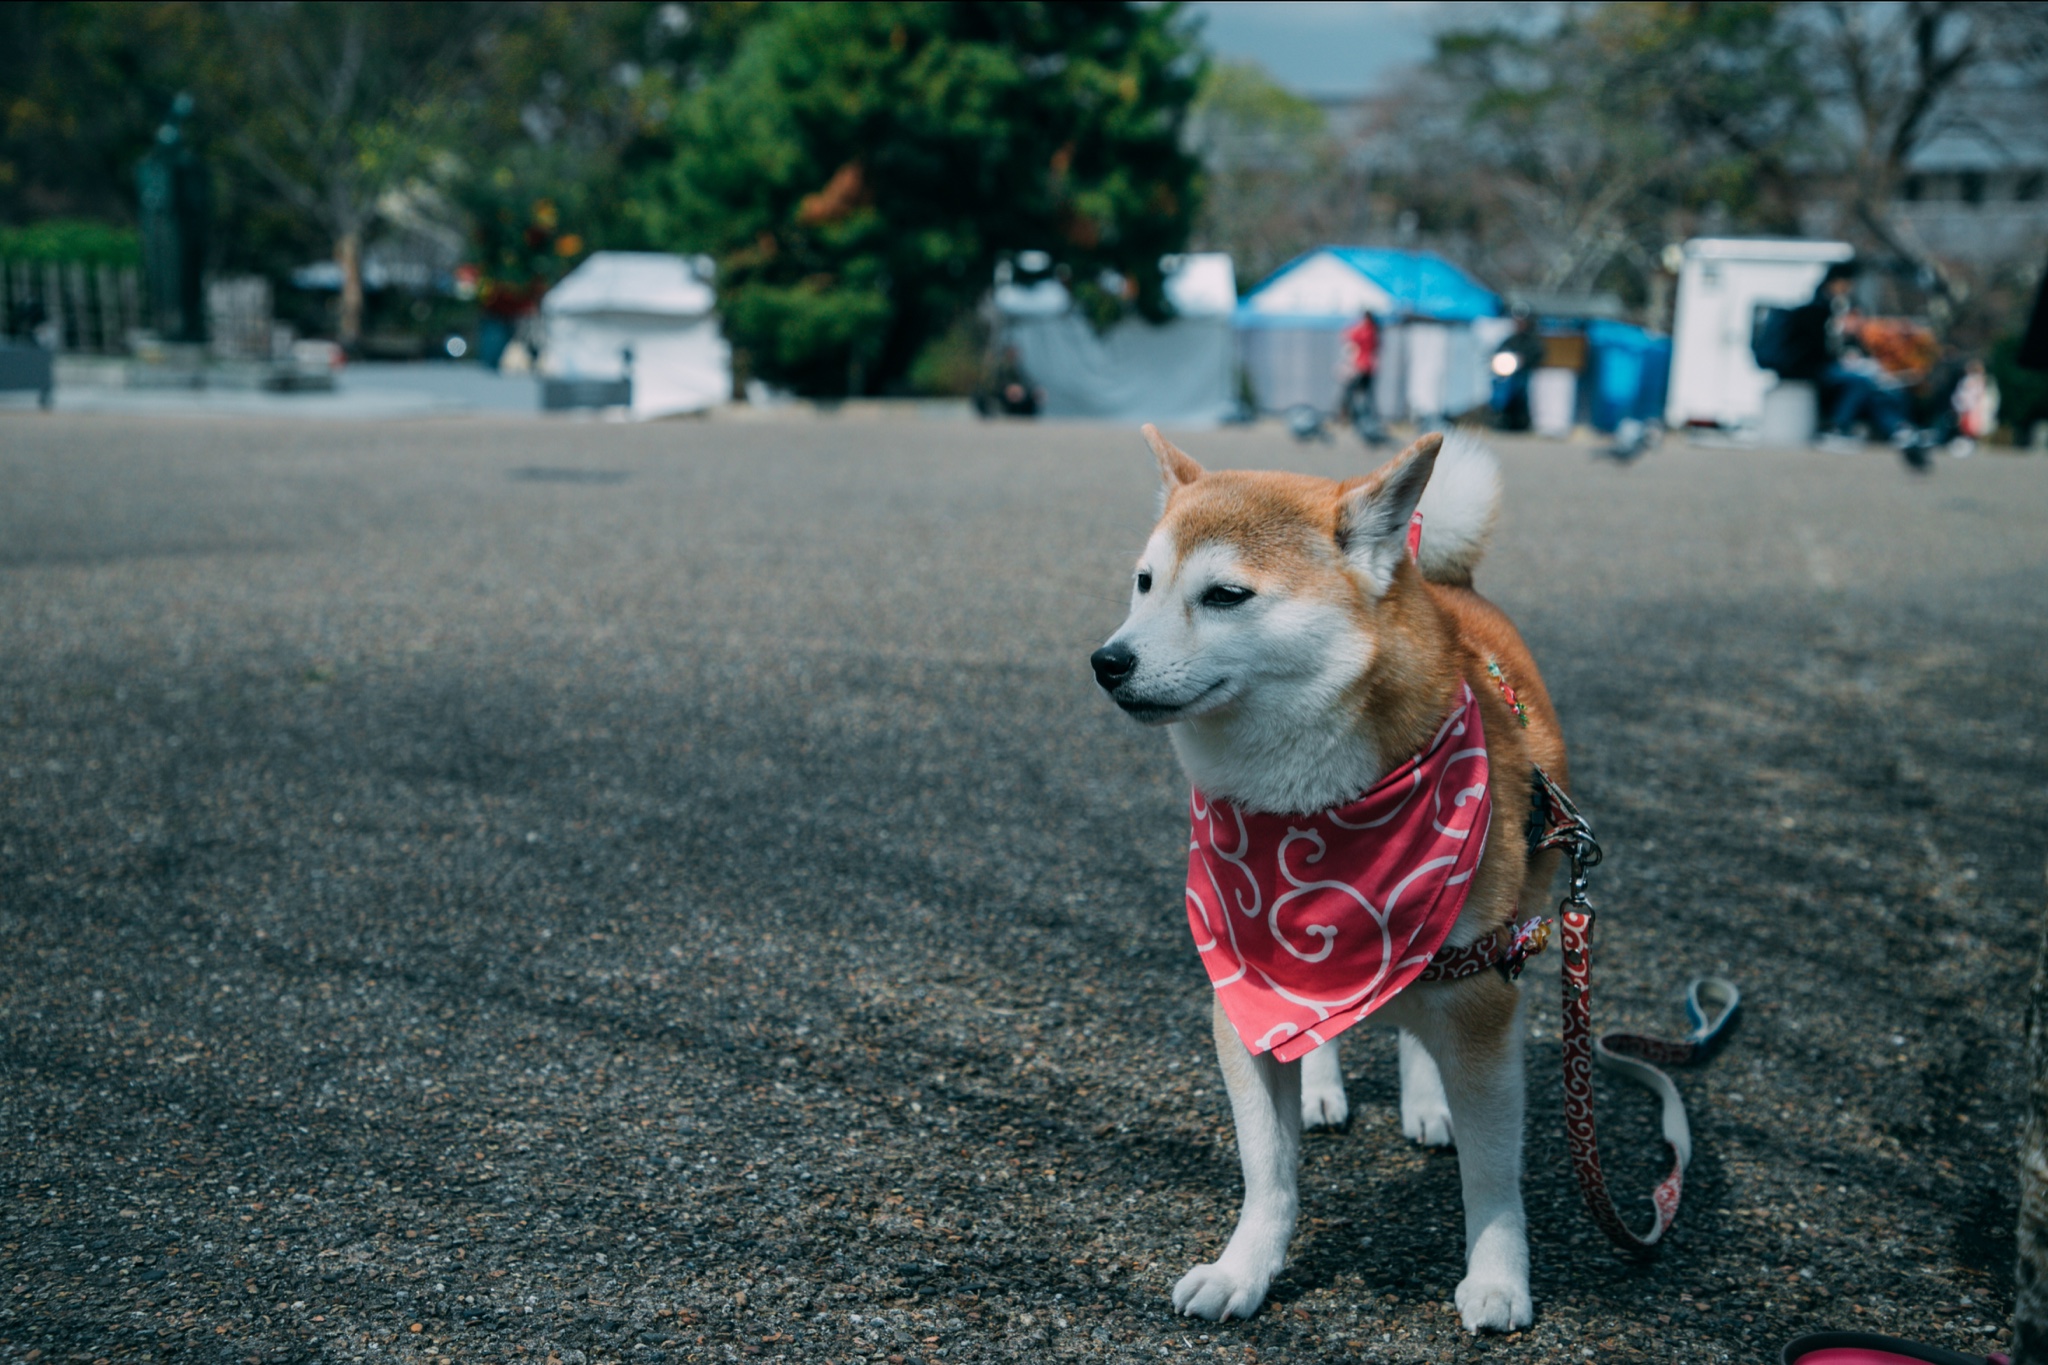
{"x": 1265, "y": 1098}
{"x": 1480, "y": 1063}
{"x": 1322, "y": 1089}
{"x": 1425, "y": 1113}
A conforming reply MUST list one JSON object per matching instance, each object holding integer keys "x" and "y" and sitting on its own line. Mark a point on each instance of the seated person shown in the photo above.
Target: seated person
{"x": 1822, "y": 348}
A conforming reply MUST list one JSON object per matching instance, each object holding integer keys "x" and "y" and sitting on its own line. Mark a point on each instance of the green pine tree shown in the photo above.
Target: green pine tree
{"x": 859, "y": 170}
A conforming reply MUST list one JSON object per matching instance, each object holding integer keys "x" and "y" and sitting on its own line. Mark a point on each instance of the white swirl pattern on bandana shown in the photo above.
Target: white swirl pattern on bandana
{"x": 1337, "y": 911}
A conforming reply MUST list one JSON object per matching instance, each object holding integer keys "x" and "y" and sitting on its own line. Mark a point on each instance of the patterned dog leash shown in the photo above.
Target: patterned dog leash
{"x": 1710, "y": 1006}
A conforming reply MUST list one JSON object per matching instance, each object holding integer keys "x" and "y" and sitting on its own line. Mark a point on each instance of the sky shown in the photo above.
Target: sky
{"x": 1325, "y": 47}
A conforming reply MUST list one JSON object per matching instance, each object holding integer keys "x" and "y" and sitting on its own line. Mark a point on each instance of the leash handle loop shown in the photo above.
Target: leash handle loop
{"x": 1710, "y": 1005}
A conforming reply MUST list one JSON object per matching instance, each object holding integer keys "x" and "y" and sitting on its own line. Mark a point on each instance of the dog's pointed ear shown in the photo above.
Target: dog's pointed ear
{"x": 1373, "y": 512}
{"x": 1176, "y": 470}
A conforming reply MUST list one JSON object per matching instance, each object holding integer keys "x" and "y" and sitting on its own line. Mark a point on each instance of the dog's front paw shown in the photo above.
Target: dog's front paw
{"x": 1427, "y": 1121}
{"x": 1324, "y": 1106}
{"x": 1494, "y": 1305}
{"x": 1217, "y": 1291}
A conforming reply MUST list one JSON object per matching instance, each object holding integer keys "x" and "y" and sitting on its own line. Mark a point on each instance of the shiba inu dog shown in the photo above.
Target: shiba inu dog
{"x": 1297, "y": 652}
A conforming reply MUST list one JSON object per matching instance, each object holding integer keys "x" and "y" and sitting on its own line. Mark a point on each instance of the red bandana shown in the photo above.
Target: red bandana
{"x": 1308, "y": 923}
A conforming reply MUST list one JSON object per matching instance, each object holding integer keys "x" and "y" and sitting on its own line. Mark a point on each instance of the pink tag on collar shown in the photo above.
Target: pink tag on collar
{"x": 1309, "y": 923}
{"x": 1415, "y": 535}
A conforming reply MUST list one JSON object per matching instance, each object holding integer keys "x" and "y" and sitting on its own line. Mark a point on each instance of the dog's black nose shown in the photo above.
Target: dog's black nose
{"x": 1112, "y": 664}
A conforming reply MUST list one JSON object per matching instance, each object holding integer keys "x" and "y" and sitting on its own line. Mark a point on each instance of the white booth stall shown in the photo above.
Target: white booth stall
{"x": 641, "y": 314}
{"x": 1722, "y": 284}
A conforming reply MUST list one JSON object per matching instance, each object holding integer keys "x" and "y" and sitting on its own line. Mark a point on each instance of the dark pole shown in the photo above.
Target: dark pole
{"x": 2030, "y": 1297}
{"x": 2034, "y": 346}
{"x": 175, "y": 203}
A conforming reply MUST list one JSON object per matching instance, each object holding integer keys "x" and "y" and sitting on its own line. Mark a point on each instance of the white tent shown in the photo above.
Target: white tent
{"x": 656, "y": 307}
{"x": 1181, "y": 371}
{"x": 1721, "y": 285}
{"x": 1438, "y": 330}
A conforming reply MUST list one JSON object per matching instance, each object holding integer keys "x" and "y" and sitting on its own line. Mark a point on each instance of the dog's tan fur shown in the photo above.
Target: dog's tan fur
{"x": 1298, "y": 538}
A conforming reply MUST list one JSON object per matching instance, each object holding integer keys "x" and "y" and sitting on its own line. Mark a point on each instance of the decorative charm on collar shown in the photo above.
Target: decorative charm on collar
{"x": 1309, "y": 923}
{"x": 1507, "y": 693}
{"x": 1509, "y": 948}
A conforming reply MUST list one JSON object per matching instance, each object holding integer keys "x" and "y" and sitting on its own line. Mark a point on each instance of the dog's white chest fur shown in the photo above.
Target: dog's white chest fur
{"x": 1280, "y": 764}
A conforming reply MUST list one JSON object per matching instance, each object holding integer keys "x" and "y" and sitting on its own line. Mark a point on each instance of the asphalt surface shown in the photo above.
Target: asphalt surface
{"x": 571, "y": 893}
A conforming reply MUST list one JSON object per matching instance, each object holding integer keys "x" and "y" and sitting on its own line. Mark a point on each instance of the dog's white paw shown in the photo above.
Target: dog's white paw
{"x": 1494, "y": 1305}
{"x": 1324, "y": 1106}
{"x": 1217, "y": 1291}
{"x": 1427, "y": 1122}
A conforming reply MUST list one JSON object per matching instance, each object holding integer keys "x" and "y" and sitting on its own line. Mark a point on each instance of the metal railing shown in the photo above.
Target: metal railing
{"x": 74, "y": 308}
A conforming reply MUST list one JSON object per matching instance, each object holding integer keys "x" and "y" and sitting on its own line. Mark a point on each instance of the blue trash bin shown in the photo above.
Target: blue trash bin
{"x": 493, "y": 335}
{"x": 1631, "y": 373}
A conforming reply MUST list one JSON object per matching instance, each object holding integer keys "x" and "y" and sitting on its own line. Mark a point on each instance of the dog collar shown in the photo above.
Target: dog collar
{"x": 1309, "y": 923}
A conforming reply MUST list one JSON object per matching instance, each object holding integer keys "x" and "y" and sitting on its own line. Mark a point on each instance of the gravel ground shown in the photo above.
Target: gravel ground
{"x": 574, "y": 893}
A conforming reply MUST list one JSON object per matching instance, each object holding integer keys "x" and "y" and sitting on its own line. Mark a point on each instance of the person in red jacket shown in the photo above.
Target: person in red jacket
{"x": 1362, "y": 350}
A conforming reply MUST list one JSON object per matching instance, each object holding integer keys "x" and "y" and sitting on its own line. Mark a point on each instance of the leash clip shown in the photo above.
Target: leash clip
{"x": 1565, "y": 828}
{"x": 1575, "y": 901}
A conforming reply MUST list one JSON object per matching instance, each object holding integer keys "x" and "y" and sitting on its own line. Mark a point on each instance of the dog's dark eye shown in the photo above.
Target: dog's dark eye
{"x": 1144, "y": 580}
{"x": 1224, "y": 595}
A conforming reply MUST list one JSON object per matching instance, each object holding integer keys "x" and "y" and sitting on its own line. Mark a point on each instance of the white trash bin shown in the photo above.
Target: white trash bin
{"x": 1553, "y": 399}
{"x": 1791, "y": 414}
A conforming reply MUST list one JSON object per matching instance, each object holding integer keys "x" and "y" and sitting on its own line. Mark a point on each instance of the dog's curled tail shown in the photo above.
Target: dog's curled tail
{"x": 1458, "y": 508}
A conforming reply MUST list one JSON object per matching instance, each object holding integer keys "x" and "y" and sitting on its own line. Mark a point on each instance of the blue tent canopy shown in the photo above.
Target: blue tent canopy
{"x": 1313, "y": 290}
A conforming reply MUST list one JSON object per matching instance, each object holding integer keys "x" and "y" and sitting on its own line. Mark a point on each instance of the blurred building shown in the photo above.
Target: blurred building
{"x": 1975, "y": 193}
